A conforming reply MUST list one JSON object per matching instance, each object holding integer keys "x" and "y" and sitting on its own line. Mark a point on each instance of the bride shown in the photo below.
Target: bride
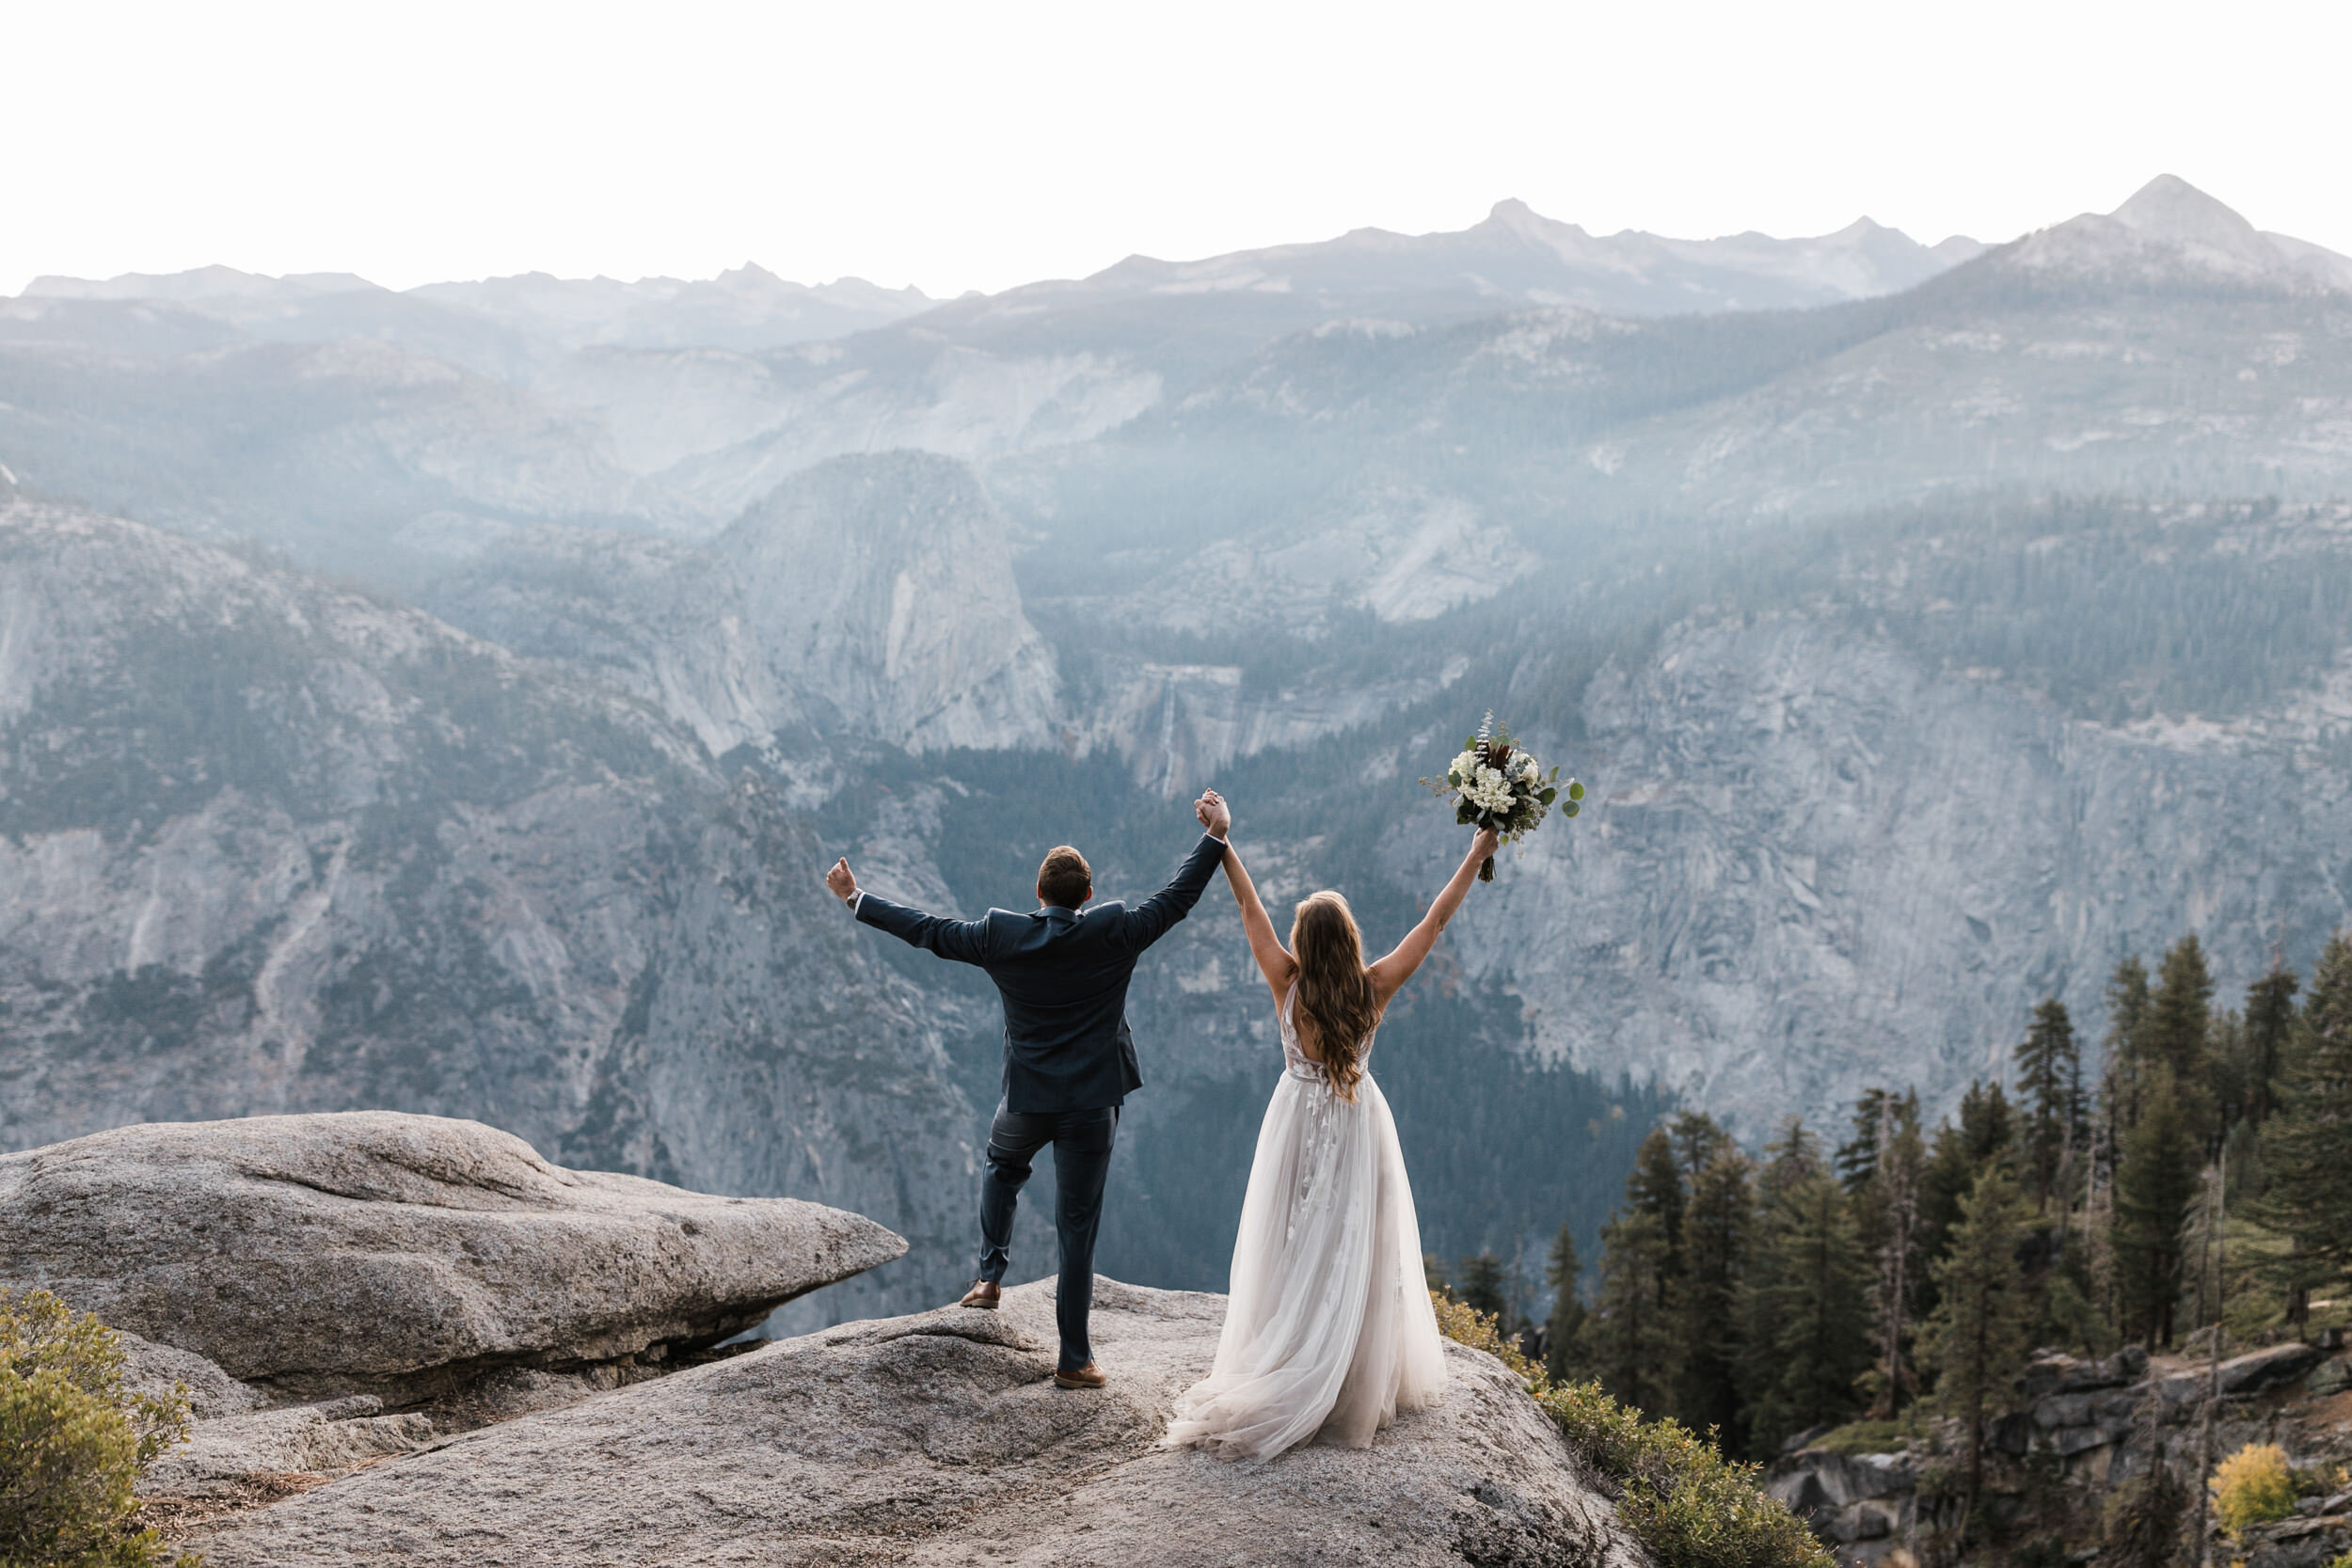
{"x": 1329, "y": 1328}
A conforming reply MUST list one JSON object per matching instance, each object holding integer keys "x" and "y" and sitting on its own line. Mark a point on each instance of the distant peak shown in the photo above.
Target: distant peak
{"x": 1510, "y": 210}
{"x": 2169, "y": 208}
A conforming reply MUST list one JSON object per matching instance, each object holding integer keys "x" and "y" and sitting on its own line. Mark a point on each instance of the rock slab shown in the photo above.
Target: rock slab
{"x": 402, "y": 1255}
{"x": 939, "y": 1439}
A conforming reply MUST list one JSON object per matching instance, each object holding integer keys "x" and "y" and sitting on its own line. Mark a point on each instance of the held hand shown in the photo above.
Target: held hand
{"x": 1214, "y": 815}
{"x": 842, "y": 880}
{"x": 1485, "y": 844}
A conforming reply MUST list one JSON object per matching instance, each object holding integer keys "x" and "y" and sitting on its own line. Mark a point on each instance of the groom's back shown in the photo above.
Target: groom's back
{"x": 1063, "y": 976}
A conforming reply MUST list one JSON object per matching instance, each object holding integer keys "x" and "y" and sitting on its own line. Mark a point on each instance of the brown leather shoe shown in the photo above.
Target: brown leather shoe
{"x": 984, "y": 1294}
{"x": 1087, "y": 1376}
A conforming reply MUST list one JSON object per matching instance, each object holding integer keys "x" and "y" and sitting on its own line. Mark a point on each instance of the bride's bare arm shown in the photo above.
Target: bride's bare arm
{"x": 1390, "y": 975}
{"x": 1274, "y": 960}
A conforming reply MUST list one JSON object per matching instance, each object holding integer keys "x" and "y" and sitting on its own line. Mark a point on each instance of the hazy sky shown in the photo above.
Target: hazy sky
{"x": 976, "y": 146}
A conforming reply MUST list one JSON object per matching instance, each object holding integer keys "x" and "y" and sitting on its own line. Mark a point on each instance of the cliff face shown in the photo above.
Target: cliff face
{"x": 270, "y": 846}
{"x": 870, "y": 599}
{"x": 1815, "y": 865}
{"x": 2074, "y": 1432}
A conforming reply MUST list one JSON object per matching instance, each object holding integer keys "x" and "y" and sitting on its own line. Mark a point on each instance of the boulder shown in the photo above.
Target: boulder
{"x": 399, "y": 1254}
{"x": 304, "y": 1440}
{"x": 940, "y": 1438}
{"x": 164, "y": 1371}
{"x": 2055, "y": 1372}
{"x": 2269, "y": 1369}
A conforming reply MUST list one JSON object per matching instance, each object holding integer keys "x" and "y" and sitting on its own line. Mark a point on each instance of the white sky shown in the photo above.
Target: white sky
{"x": 976, "y": 146}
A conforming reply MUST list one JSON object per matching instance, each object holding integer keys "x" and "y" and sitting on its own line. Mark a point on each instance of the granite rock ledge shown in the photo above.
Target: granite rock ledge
{"x": 940, "y": 1438}
{"x": 402, "y": 1257}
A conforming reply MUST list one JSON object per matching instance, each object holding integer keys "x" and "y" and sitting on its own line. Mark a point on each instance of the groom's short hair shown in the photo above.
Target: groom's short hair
{"x": 1065, "y": 879}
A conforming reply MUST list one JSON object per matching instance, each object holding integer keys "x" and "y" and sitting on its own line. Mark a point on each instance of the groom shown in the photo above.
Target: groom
{"x": 1070, "y": 1063}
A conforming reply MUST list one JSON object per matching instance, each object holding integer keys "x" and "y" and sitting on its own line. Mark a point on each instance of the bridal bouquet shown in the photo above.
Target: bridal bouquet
{"x": 1495, "y": 784}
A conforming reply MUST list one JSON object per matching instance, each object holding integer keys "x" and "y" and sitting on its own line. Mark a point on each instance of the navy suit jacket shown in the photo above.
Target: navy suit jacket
{"x": 1063, "y": 976}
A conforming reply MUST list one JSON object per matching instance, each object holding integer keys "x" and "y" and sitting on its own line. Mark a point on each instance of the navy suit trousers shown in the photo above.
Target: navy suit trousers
{"x": 1082, "y": 1158}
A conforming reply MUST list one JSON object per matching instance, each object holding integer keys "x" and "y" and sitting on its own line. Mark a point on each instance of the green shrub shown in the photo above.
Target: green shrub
{"x": 72, "y": 1441}
{"x": 2253, "y": 1487}
{"x": 1688, "y": 1505}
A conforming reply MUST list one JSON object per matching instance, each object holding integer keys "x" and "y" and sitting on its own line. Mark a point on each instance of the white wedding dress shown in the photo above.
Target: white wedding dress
{"x": 1329, "y": 1328}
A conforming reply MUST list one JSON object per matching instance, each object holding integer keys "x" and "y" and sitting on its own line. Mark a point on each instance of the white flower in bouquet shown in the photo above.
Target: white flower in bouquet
{"x": 1494, "y": 784}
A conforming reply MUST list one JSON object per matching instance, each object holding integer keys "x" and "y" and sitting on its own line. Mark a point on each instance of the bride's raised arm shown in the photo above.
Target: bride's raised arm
{"x": 1390, "y": 975}
{"x": 1274, "y": 960}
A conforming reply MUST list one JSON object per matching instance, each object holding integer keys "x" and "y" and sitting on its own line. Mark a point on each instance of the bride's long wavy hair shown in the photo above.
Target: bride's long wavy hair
{"x": 1334, "y": 987}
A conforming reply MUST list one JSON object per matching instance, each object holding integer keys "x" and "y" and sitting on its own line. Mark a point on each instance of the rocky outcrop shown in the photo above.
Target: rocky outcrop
{"x": 167, "y": 1372}
{"x": 941, "y": 1439}
{"x": 2080, "y": 1428}
{"x": 401, "y": 1254}
{"x": 223, "y": 1457}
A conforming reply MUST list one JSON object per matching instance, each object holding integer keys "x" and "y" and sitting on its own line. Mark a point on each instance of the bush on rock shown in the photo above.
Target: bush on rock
{"x": 72, "y": 1441}
{"x": 2253, "y": 1487}
{"x": 1688, "y": 1505}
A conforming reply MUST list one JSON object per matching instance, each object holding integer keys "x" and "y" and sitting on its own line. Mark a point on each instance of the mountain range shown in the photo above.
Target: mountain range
{"x": 458, "y": 728}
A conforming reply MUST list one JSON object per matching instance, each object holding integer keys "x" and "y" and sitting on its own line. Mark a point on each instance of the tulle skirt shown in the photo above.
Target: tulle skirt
{"x": 1329, "y": 1327}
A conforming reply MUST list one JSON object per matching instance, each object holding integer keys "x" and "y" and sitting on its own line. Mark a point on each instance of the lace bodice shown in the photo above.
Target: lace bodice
{"x": 1296, "y": 1062}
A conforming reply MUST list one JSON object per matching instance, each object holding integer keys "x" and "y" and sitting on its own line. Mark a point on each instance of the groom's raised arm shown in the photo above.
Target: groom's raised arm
{"x": 1149, "y": 920}
{"x": 964, "y": 940}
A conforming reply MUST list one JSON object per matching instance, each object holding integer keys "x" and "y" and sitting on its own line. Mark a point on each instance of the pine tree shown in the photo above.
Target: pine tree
{"x": 2155, "y": 1182}
{"x": 1805, "y": 1314}
{"x": 2049, "y": 1080}
{"x": 1902, "y": 1159}
{"x": 2228, "y": 1075}
{"x": 2270, "y": 1023}
{"x": 1715, "y": 1230}
{"x": 1788, "y": 1159}
{"x": 1565, "y": 1350}
{"x": 2307, "y": 1155}
{"x": 1949, "y": 1176}
{"x": 1655, "y": 1188}
{"x": 2175, "y": 1034}
{"x": 1698, "y": 1138}
{"x": 1632, "y": 1331}
{"x": 1857, "y": 1158}
{"x": 1986, "y": 1124}
{"x": 1481, "y": 1288}
{"x": 1976, "y": 1341}
{"x": 2119, "y": 1049}
{"x": 2179, "y": 1013}
{"x": 2098, "y": 1249}
{"x": 2203, "y": 1252}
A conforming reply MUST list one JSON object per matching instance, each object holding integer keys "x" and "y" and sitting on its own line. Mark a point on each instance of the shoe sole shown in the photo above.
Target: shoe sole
{"x": 979, "y": 1305}
{"x": 1061, "y": 1382}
